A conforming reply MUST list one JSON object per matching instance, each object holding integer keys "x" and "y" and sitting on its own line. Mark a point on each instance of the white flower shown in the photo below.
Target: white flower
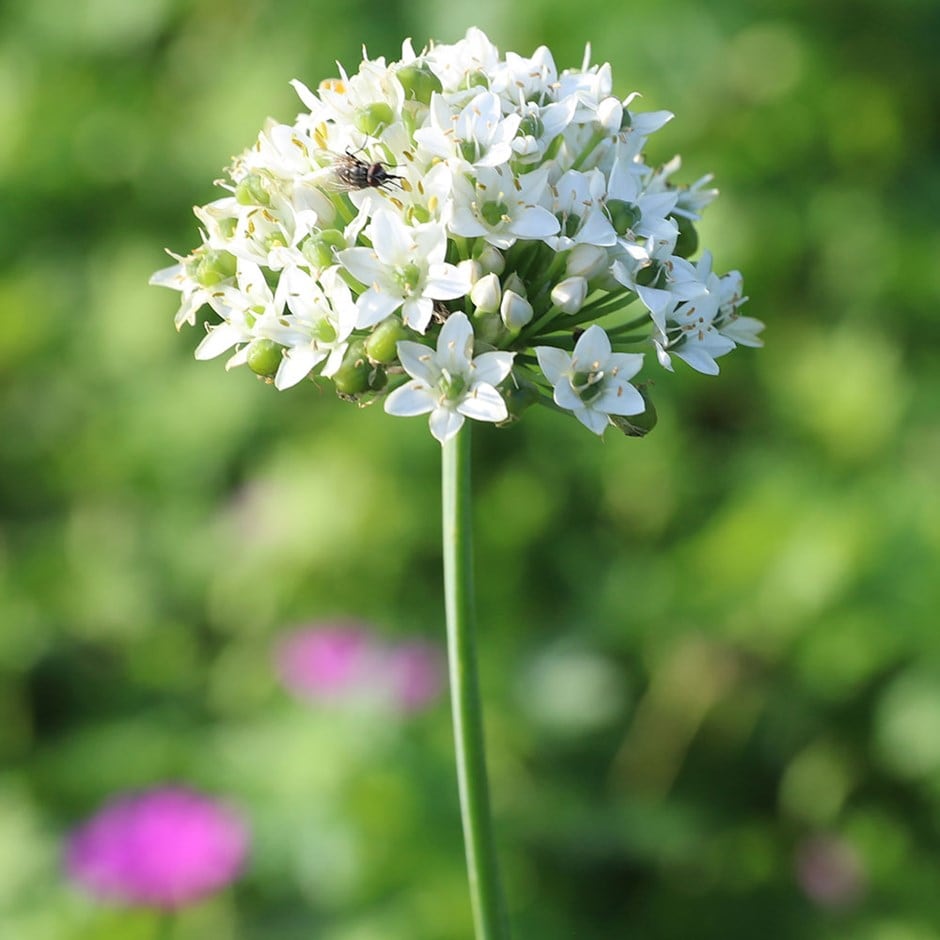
{"x": 450, "y": 384}
{"x": 404, "y": 268}
{"x": 317, "y": 328}
{"x": 477, "y": 136}
{"x": 593, "y": 381}
{"x": 500, "y": 207}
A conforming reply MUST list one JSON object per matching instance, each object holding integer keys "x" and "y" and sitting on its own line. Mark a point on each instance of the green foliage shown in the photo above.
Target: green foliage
{"x": 701, "y": 650}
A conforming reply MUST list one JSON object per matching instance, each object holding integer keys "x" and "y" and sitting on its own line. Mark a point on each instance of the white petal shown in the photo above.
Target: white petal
{"x": 595, "y": 421}
{"x": 695, "y": 356}
{"x": 619, "y": 398}
{"x": 484, "y": 404}
{"x": 492, "y": 367}
{"x": 391, "y": 240}
{"x": 534, "y": 222}
{"x": 219, "y": 339}
{"x": 362, "y": 263}
{"x": 412, "y": 398}
{"x": 455, "y": 344}
{"x": 417, "y": 313}
{"x": 626, "y": 364}
{"x": 566, "y": 397}
{"x": 419, "y": 362}
{"x": 593, "y": 347}
{"x": 296, "y": 365}
{"x": 374, "y": 306}
{"x": 445, "y": 423}
{"x": 553, "y": 362}
{"x": 446, "y": 282}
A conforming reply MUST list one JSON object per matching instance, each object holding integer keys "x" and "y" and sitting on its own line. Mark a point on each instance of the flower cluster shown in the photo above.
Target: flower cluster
{"x": 439, "y": 232}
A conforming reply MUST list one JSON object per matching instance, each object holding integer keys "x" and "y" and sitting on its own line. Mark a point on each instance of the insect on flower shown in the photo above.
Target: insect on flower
{"x": 352, "y": 173}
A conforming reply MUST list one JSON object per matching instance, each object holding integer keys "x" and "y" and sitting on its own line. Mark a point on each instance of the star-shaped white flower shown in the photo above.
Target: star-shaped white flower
{"x": 404, "y": 268}
{"x": 593, "y": 382}
{"x": 450, "y": 383}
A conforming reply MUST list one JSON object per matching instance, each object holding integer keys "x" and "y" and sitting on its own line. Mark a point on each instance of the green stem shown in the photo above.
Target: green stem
{"x": 486, "y": 898}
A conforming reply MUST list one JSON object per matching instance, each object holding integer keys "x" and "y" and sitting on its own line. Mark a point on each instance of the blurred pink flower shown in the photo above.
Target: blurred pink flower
{"x": 162, "y": 848}
{"x": 416, "y": 671}
{"x": 829, "y": 871}
{"x": 347, "y": 662}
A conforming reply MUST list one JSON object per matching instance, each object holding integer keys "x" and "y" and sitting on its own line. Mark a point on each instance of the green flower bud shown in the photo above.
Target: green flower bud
{"x": 373, "y": 119}
{"x": 214, "y": 266}
{"x": 381, "y": 344}
{"x": 251, "y": 191}
{"x": 623, "y": 215}
{"x": 418, "y": 81}
{"x": 637, "y": 425}
{"x": 687, "y": 242}
{"x": 264, "y": 357}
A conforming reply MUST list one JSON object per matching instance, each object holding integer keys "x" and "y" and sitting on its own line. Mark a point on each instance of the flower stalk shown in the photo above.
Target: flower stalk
{"x": 486, "y": 897}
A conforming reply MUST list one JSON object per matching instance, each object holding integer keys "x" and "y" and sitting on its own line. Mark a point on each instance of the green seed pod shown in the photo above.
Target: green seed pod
{"x": 264, "y": 357}
{"x": 687, "y": 242}
{"x": 352, "y": 377}
{"x": 214, "y": 266}
{"x": 319, "y": 248}
{"x": 373, "y": 119}
{"x": 251, "y": 191}
{"x": 419, "y": 82}
{"x": 381, "y": 344}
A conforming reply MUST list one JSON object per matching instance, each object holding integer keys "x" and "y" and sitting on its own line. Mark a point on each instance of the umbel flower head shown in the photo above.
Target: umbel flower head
{"x": 162, "y": 848}
{"x": 460, "y": 233}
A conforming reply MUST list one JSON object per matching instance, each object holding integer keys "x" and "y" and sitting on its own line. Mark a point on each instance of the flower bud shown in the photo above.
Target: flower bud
{"x": 610, "y": 115}
{"x": 381, "y": 344}
{"x": 471, "y": 269}
{"x": 264, "y": 357}
{"x": 486, "y": 294}
{"x": 569, "y": 295}
{"x": 418, "y": 81}
{"x": 515, "y": 283}
{"x": 515, "y": 310}
{"x": 687, "y": 242}
{"x": 491, "y": 259}
{"x": 587, "y": 261}
{"x": 372, "y": 120}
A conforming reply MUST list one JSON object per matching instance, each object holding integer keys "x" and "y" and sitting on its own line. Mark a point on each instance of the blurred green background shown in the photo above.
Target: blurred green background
{"x": 711, "y": 658}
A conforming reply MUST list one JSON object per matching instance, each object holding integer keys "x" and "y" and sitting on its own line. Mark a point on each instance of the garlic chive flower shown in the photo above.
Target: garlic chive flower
{"x": 515, "y": 217}
{"x": 449, "y": 383}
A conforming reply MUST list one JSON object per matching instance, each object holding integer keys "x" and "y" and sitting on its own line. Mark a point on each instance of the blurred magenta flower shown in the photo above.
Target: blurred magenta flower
{"x": 346, "y": 662}
{"x": 162, "y": 848}
{"x": 830, "y": 871}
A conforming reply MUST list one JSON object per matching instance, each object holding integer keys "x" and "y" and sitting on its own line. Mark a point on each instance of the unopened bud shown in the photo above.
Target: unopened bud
{"x": 610, "y": 115}
{"x": 515, "y": 310}
{"x": 471, "y": 269}
{"x": 352, "y": 377}
{"x": 515, "y": 283}
{"x": 491, "y": 259}
{"x": 486, "y": 294}
{"x": 569, "y": 295}
{"x": 586, "y": 261}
